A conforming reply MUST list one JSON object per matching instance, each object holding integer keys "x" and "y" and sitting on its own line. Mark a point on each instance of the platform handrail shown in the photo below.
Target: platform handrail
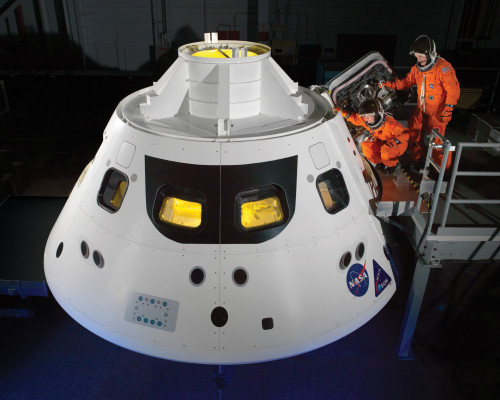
{"x": 445, "y": 145}
{"x": 455, "y": 173}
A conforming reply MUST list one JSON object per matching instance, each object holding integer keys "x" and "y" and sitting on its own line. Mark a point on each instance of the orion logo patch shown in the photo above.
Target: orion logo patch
{"x": 358, "y": 280}
{"x": 382, "y": 279}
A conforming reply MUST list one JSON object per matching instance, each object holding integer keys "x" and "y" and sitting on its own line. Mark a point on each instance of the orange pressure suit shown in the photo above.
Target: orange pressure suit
{"x": 438, "y": 90}
{"x": 383, "y": 147}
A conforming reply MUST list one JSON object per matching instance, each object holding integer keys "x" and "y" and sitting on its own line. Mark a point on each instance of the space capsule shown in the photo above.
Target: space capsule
{"x": 225, "y": 219}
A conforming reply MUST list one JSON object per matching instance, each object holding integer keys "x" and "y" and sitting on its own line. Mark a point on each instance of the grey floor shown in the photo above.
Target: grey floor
{"x": 52, "y": 357}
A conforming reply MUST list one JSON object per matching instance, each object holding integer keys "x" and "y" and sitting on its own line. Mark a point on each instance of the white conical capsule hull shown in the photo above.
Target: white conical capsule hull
{"x": 235, "y": 295}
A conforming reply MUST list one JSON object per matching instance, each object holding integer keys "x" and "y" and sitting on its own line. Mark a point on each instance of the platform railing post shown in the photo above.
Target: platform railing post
{"x": 414, "y": 302}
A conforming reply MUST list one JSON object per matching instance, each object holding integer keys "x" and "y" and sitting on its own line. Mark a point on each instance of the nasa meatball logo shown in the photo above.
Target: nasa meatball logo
{"x": 431, "y": 85}
{"x": 382, "y": 279}
{"x": 358, "y": 280}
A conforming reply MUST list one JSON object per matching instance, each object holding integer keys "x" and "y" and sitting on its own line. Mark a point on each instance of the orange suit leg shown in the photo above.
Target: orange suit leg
{"x": 437, "y": 155}
{"x": 390, "y": 155}
{"x": 416, "y": 144}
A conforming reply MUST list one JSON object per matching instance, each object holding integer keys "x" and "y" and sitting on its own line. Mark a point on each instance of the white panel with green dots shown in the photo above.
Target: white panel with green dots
{"x": 152, "y": 311}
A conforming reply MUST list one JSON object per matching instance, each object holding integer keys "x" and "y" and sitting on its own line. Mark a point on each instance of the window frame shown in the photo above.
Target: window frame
{"x": 256, "y": 194}
{"x": 102, "y": 194}
{"x": 185, "y": 194}
{"x": 327, "y": 175}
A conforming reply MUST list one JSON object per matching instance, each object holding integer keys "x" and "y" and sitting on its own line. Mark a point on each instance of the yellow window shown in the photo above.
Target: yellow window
{"x": 332, "y": 191}
{"x": 259, "y": 213}
{"x": 325, "y": 195}
{"x": 181, "y": 212}
{"x": 117, "y": 198}
{"x": 113, "y": 190}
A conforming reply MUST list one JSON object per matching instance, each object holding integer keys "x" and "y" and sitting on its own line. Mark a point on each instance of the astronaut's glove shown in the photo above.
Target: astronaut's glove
{"x": 370, "y": 138}
{"x": 344, "y": 113}
{"x": 390, "y": 85}
{"x": 446, "y": 117}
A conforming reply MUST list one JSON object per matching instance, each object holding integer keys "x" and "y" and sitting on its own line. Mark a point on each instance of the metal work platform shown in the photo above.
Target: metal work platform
{"x": 453, "y": 221}
{"x": 399, "y": 194}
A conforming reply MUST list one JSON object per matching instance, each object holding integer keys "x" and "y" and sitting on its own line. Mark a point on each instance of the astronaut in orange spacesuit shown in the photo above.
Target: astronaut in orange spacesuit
{"x": 438, "y": 90}
{"x": 388, "y": 138}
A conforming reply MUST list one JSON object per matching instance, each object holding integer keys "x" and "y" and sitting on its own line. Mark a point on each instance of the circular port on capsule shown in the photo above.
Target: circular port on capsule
{"x": 59, "y": 249}
{"x": 240, "y": 276}
{"x": 219, "y": 317}
{"x": 197, "y": 276}
{"x": 345, "y": 261}
{"x": 360, "y": 251}
{"x": 84, "y": 247}
{"x": 98, "y": 259}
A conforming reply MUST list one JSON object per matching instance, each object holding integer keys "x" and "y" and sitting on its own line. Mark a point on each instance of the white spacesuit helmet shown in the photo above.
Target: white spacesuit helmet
{"x": 374, "y": 107}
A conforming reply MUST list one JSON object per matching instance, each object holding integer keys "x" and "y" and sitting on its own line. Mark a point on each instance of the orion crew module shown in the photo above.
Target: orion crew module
{"x": 225, "y": 218}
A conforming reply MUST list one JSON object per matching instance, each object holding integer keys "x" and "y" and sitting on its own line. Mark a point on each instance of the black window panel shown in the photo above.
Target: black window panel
{"x": 239, "y": 178}
{"x": 111, "y": 181}
{"x": 199, "y": 180}
{"x": 337, "y": 190}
